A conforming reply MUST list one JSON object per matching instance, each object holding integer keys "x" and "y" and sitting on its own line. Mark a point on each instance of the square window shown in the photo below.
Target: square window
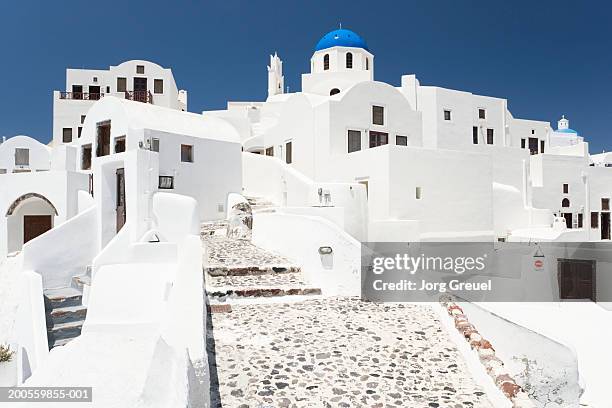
{"x": 565, "y": 188}
{"x": 2, "y": 171}
{"x": 378, "y": 115}
{"x": 22, "y": 157}
{"x": 490, "y": 136}
{"x": 270, "y": 151}
{"x": 67, "y": 135}
{"x": 401, "y": 140}
{"x": 447, "y": 114}
{"x": 354, "y": 141}
{"x": 482, "y": 114}
{"x": 158, "y": 86}
{"x": 166, "y": 182}
{"x": 378, "y": 139}
{"x": 605, "y": 204}
{"x": 121, "y": 84}
{"x": 155, "y": 144}
{"x": 187, "y": 153}
{"x": 140, "y": 69}
{"x": 120, "y": 144}
{"x": 475, "y": 134}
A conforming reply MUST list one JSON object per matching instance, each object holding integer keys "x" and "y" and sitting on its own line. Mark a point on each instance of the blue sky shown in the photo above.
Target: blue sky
{"x": 546, "y": 57}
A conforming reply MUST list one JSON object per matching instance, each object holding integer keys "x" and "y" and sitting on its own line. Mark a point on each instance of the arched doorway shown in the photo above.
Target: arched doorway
{"x": 28, "y": 217}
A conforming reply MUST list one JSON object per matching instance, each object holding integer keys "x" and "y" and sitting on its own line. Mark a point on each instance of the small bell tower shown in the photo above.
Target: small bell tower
{"x": 563, "y": 124}
{"x": 276, "y": 80}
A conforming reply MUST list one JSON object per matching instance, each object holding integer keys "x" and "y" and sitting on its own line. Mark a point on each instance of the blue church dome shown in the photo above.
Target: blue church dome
{"x": 341, "y": 38}
{"x": 566, "y": 131}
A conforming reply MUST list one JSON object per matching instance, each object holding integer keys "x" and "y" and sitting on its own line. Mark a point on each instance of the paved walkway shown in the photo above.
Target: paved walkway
{"x": 337, "y": 352}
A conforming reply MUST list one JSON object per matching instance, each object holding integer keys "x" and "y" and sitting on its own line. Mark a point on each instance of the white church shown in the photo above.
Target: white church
{"x": 116, "y": 201}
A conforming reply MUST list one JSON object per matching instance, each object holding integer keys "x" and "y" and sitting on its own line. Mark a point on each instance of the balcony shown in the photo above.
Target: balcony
{"x": 139, "y": 96}
{"x": 81, "y": 96}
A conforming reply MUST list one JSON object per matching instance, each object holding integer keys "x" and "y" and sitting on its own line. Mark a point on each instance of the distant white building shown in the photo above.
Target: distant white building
{"x": 21, "y": 154}
{"x": 135, "y": 80}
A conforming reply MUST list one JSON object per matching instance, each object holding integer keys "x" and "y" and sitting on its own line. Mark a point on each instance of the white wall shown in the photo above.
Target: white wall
{"x": 39, "y": 155}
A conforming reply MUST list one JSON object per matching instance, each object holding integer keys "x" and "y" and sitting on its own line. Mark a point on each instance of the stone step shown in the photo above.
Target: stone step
{"x": 224, "y": 294}
{"x": 251, "y": 270}
{"x": 69, "y": 314}
{"x": 65, "y": 331}
{"x": 64, "y": 297}
{"x": 61, "y": 342}
{"x": 80, "y": 281}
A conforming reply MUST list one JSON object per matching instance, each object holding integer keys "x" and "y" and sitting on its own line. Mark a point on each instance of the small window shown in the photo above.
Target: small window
{"x": 594, "y": 220}
{"x": 155, "y": 144}
{"x": 533, "y": 131}
{"x": 447, "y": 114}
{"x": 482, "y": 114}
{"x": 523, "y": 143}
{"x": 158, "y": 86}
{"x": 401, "y": 140}
{"x": 475, "y": 134}
{"x": 187, "y": 153}
{"x": 349, "y": 60}
{"x": 120, "y": 144}
{"x": 140, "y": 69}
{"x": 95, "y": 79}
{"x": 108, "y": 89}
{"x": 334, "y": 91}
{"x": 354, "y": 141}
{"x": 83, "y": 119}
{"x": 22, "y": 157}
{"x": 67, "y": 135}
{"x": 605, "y": 204}
{"x": 79, "y": 131}
{"x": 270, "y": 151}
{"x": 580, "y": 220}
{"x": 86, "y": 157}
{"x": 2, "y": 171}
{"x": 288, "y": 152}
{"x": 367, "y": 64}
{"x": 541, "y": 146}
{"x": 166, "y": 182}
{"x": 378, "y": 139}
{"x": 565, "y": 188}
{"x": 490, "y": 136}
{"x": 378, "y": 115}
{"x": 565, "y": 203}
{"x": 418, "y": 193}
{"x": 121, "y": 84}
{"x": 326, "y": 62}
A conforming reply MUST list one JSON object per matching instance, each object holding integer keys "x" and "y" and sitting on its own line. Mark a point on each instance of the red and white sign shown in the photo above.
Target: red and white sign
{"x": 539, "y": 264}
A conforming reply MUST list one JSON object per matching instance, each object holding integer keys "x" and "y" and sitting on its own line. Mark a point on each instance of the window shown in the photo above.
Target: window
{"x": 605, "y": 204}
{"x": 378, "y": 139}
{"x": 447, "y": 114}
{"x": 565, "y": 203}
{"x": 354, "y": 141}
{"x": 334, "y": 91}
{"x": 270, "y": 151}
{"x": 533, "y": 131}
{"x": 86, "y": 157}
{"x": 401, "y": 140}
{"x": 121, "y": 84}
{"x": 166, "y": 182}
{"x": 79, "y": 131}
{"x": 475, "y": 134}
{"x": 490, "y": 136}
{"x": 378, "y": 115}
{"x": 22, "y": 157}
{"x": 541, "y": 146}
{"x": 67, "y": 135}
{"x": 418, "y": 193}
{"x": 83, "y": 119}
{"x": 155, "y": 144}
{"x": 120, "y": 144}
{"x": 565, "y": 188}
{"x": 2, "y": 171}
{"x": 108, "y": 89}
{"x": 77, "y": 91}
{"x": 523, "y": 143}
{"x": 288, "y": 152}
{"x": 367, "y": 64}
{"x": 594, "y": 220}
{"x": 186, "y": 153}
{"x": 349, "y": 60}
{"x": 482, "y": 114}
{"x": 326, "y": 62}
{"x": 103, "y": 145}
{"x": 158, "y": 86}
{"x": 580, "y": 220}
{"x": 140, "y": 69}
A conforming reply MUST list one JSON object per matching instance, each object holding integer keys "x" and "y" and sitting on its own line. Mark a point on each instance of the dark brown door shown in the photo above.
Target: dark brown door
{"x": 104, "y": 133}
{"x": 121, "y": 213}
{"x": 94, "y": 93}
{"x": 140, "y": 89}
{"x": 568, "y": 219}
{"x": 577, "y": 279}
{"x": 35, "y": 225}
{"x": 77, "y": 91}
{"x": 533, "y": 145}
{"x": 605, "y": 225}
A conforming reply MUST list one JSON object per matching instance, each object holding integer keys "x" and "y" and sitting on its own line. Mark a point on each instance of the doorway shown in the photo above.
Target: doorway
{"x": 605, "y": 225}
{"x": 576, "y": 279}
{"x": 120, "y": 208}
{"x": 103, "y": 145}
{"x": 94, "y": 92}
{"x": 533, "y": 145}
{"x": 568, "y": 219}
{"x": 140, "y": 89}
{"x": 35, "y": 225}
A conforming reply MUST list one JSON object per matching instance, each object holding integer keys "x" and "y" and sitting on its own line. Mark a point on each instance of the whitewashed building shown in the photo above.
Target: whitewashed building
{"x": 22, "y": 154}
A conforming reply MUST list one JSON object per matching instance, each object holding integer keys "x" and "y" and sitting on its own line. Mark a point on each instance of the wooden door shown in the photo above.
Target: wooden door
{"x": 605, "y": 225}
{"x": 35, "y": 225}
{"x": 140, "y": 89}
{"x": 577, "y": 279}
{"x": 121, "y": 210}
{"x": 568, "y": 220}
{"x": 104, "y": 136}
{"x": 94, "y": 92}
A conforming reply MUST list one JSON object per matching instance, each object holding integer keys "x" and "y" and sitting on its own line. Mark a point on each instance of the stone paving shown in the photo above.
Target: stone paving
{"x": 264, "y": 280}
{"x": 336, "y": 352}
